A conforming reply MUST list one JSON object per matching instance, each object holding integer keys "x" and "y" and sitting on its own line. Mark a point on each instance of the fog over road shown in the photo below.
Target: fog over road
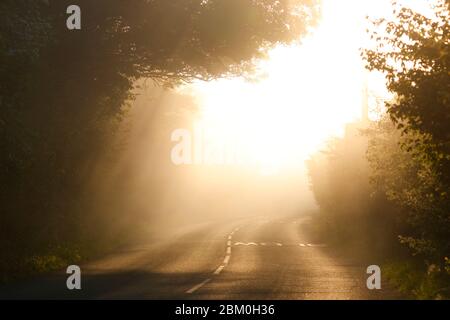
{"x": 252, "y": 258}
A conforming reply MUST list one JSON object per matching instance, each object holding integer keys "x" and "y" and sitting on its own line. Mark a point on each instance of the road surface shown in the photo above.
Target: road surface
{"x": 258, "y": 258}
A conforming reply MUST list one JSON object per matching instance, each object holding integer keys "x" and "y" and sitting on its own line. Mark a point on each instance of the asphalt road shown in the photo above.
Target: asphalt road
{"x": 258, "y": 258}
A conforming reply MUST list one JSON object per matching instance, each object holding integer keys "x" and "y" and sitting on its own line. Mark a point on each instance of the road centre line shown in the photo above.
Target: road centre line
{"x": 226, "y": 260}
{"x": 219, "y": 270}
{"x": 195, "y": 288}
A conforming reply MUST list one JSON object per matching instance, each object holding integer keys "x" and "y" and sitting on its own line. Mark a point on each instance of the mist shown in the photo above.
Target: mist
{"x": 225, "y": 149}
{"x": 145, "y": 190}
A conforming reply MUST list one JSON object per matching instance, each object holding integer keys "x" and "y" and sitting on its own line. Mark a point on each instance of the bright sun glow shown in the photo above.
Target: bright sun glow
{"x": 309, "y": 93}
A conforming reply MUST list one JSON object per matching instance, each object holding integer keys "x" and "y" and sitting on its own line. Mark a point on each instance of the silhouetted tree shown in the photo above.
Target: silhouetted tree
{"x": 63, "y": 92}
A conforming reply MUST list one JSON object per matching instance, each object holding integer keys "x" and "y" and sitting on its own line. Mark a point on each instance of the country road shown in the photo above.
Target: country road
{"x": 258, "y": 258}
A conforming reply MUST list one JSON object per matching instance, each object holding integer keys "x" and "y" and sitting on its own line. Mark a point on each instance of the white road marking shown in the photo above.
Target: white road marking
{"x": 245, "y": 244}
{"x": 226, "y": 260}
{"x": 195, "y": 288}
{"x": 219, "y": 270}
{"x": 317, "y": 245}
{"x": 278, "y": 244}
{"x": 256, "y": 244}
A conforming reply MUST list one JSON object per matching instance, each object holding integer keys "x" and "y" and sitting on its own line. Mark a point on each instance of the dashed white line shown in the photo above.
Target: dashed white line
{"x": 245, "y": 244}
{"x": 195, "y": 288}
{"x": 219, "y": 270}
{"x": 317, "y": 245}
{"x": 279, "y": 244}
{"x": 226, "y": 260}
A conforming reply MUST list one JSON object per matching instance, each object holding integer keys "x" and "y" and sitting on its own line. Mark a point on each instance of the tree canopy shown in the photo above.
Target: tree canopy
{"x": 63, "y": 92}
{"x": 182, "y": 40}
{"x": 412, "y": 50}
{"x": 407, "y": 157}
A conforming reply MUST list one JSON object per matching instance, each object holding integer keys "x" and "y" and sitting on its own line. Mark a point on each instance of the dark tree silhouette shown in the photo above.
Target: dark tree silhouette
{"x": 62, "y": 93}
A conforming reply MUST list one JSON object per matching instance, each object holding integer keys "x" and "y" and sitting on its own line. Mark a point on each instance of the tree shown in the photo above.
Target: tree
{"x": 412, "y": 50}
{"x": 410, "y": 156}
{"x": 182, "y": 40}
{"x": 63, "y": 92}
{"x": 410, "y": 182}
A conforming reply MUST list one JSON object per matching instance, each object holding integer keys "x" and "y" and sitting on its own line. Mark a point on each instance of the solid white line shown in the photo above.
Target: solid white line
{"x": 227, "y": 259}
{"x": 195, "y": 288}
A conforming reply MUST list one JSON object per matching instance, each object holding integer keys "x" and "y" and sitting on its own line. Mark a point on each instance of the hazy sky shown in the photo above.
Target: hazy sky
{"x": 309, "y": 93}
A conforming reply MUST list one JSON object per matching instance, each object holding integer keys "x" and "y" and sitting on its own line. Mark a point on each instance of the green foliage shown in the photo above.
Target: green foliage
{"x": 412, "y": 50}
{"x": 408, "y": 153}
{"x": 417, "y": 280}
{"x": 182, "y": 40}
{"x": 40, "y": 260}
{"x": 402, "y": 170}
{"x": 55, "y": 258}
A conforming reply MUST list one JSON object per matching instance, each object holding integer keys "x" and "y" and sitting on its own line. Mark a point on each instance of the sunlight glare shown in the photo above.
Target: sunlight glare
{"x": 309, "y": 93}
